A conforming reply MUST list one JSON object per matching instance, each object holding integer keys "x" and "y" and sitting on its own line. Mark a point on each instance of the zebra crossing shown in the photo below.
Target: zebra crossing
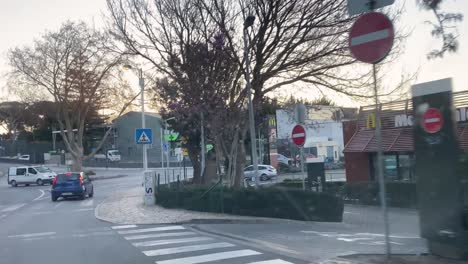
{"x": 174, "y": 244}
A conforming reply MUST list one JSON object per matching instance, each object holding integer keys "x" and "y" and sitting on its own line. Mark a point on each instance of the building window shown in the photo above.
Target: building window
{"x": 397, "y": 167}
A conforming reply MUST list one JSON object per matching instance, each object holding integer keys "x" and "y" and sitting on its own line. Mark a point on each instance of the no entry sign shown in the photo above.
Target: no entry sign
{"x": 371, "y": 37}
{"x": 432, "y": 120}
{"x": 298, "y": 135}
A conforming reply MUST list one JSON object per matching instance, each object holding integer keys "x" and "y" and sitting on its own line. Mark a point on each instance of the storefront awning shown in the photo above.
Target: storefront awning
{"x": 394, "y": 140}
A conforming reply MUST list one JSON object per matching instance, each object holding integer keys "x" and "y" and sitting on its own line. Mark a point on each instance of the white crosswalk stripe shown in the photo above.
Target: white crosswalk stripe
{"x": 123, "y": 227}
{"x": 177, "y": 245}
{"x": 272, "y": 261}
{"x": 211, "y": 257}
{"x": 154, "y": 229}
{"x": 169, "y": 241}
{"x": 166, "y": 251}
{"x": 172, "y": 234}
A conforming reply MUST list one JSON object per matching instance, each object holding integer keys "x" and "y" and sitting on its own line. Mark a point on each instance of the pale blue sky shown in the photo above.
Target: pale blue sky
{"x": 23, "y": 20}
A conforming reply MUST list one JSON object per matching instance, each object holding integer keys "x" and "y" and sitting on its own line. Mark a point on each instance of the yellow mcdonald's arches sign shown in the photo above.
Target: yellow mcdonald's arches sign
{"x": 272, "y": 121}
{"x": 371, "y": 121}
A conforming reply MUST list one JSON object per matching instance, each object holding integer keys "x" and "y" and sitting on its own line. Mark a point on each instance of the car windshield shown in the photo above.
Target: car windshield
{"x": 42, "y": 169}
{"x": 114, "y": 152}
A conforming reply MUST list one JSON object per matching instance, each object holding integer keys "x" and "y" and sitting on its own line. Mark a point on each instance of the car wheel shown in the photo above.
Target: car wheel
{"x": 27, "y": 184}
{"x": 13, "y": 183}
{"x": 54, "y": 198}
{"x": 39, "y": 182}
{"x": 263, "y": 177}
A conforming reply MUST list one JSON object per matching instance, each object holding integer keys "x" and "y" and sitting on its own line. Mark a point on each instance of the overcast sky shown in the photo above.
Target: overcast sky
{"x": 23, "y": 20}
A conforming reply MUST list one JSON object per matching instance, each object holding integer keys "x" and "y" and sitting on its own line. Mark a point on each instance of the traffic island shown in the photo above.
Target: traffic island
{"x": 272, "y": 202}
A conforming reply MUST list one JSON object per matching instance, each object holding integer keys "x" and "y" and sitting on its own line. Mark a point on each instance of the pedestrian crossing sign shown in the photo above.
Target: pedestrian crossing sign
{"x": 143, "y": 136}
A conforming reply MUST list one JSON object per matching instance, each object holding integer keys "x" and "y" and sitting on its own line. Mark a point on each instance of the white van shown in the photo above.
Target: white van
{"x": 30, "y": 175}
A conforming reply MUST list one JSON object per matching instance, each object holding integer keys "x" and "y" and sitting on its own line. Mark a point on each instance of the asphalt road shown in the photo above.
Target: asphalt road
{"x": 36, "y": 230}
{"x": 361, "y": 232}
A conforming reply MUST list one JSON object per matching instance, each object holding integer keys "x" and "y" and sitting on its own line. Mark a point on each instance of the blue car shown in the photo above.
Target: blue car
{"x": 71, "y": 184}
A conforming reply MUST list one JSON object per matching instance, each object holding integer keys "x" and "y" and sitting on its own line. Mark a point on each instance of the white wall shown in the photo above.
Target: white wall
{"x": 315, "y": 129}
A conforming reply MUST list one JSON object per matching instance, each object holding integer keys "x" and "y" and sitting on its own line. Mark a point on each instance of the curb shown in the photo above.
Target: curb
{"x": 98, "y": 178}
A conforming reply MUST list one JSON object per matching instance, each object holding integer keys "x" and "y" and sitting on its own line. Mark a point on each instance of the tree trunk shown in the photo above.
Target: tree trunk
{"x": 193, "y": 155}
{"x": 240, "y": 164}
{"x": 77, "y": 164}
{"x": 210, "y": 170}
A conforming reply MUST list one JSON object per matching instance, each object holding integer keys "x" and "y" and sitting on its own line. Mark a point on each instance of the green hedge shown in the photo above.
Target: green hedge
{"x": 265, "y": 202}
{"x": 399, "y": 194}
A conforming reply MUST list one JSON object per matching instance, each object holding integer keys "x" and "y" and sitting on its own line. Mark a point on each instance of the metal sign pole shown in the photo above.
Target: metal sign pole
{"x": 383, "y": 198}
{"x": 302, "y": 168}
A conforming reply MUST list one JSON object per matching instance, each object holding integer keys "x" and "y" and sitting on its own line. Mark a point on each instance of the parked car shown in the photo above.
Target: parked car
{"x": 111, "y": 155}
{"x": 283, "y": 159}
{"x": 266, "y": 172}
{"x": 72, "y": 184}
{"x": 24, "y": 157}
{"x": 29, "y": 175}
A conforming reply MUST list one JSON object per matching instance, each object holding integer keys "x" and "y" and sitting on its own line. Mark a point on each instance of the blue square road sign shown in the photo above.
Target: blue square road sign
{"x": 143, "y": 136}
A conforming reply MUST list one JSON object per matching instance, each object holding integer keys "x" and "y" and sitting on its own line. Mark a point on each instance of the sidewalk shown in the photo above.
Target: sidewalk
{"x": 128, "y": 208}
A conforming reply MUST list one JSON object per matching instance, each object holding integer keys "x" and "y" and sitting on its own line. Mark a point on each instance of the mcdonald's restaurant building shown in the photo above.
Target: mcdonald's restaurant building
{"x": 360, "y": 150}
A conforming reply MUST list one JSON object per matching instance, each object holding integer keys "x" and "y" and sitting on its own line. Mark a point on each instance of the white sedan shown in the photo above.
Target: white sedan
{"x": 265, "y": 172}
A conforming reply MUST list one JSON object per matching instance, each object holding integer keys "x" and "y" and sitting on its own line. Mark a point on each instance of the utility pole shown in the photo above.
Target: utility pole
{"x": 247, "y": 23}
{"x": 203, "y": 158}
{"x": 143, "y": 119}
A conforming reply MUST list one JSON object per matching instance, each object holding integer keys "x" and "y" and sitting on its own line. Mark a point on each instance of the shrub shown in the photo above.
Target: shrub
{"x": 267, "y": 202}
{"x": 399, "y": 194}
{"x": 90, "y": 172}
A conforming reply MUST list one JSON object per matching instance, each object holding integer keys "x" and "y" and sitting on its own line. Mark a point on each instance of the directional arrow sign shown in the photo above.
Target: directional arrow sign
{"x": 143, "y": 136}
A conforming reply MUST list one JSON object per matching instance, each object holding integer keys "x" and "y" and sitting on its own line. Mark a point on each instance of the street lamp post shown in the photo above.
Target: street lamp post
{"x": 141, "y": 82}
{"x": 247, "y": 23}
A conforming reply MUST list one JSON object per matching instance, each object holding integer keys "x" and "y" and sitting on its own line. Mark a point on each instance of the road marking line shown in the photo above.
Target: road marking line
{"x": 273, "y": 261}
{"x": 84, "y": 209}
{"x": 86, "y": 203}
{"x": 13, "y": 207}
{"x": 41, "y": 212}
{"x": 57, "y": 205}
{"x": 40, "y": 196}
{"x": 169, "y": 241}
{"x": 123, "y": 227}
{"x": 162, "y": 228}
{"x": 369, "y": 37}
{"x": 167, "y": 251}
{"x": 33, "y": 235}
{"x": 211, "y": 257}
{"x": 159, "y": 235}
{"x": 97, "y": 233}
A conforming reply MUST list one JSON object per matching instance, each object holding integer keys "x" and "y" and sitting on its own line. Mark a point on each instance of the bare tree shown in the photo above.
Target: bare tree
{"x": 74, "y": 67}
{"x": 182, "y": 43}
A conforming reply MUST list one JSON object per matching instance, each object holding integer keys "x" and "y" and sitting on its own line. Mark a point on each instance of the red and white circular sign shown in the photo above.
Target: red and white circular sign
{"x": 432, "y": 120}
{"x": 371, "y": 37}
{"x": 299, "y": 135}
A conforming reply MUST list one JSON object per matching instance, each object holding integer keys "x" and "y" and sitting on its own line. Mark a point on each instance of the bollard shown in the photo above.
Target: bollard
{"x": 158, "y": 183}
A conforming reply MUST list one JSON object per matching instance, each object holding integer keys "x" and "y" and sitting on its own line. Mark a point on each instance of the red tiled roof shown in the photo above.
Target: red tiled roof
{"x": 394, "y": 140}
